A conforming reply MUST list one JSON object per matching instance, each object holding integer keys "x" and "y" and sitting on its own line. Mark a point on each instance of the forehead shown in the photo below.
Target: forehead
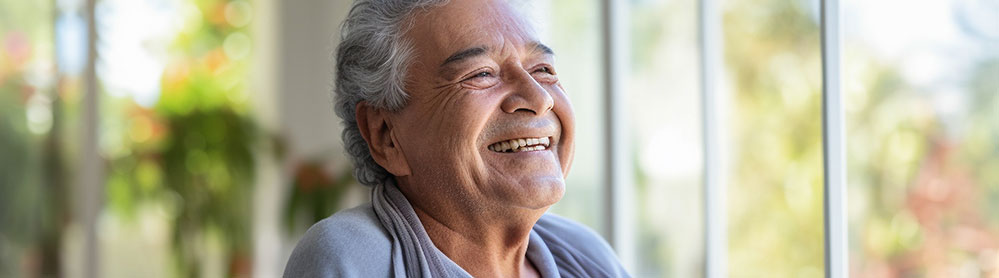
{"x": 460, "y": 24}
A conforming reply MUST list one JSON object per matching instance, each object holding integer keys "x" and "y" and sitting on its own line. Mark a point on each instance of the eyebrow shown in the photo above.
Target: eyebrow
{"x": 469, "y": 53}
{"x": 543, "y": 48}
{"x": 464, "y": 54}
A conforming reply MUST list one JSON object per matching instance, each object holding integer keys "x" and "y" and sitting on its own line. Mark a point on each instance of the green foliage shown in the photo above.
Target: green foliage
{"x": 315, "y": 195}
{"x": 19, "y": 186}
{"x": 30, "y": 203}
{"x": 194, "y": 150}
{"x": 207, "y": 155}
{"x": 208, "y": 163}
{"x": 775, "y": 211}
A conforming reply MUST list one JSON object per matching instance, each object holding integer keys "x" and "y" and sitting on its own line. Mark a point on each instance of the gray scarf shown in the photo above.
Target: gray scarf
{"x": 414, "y": 255}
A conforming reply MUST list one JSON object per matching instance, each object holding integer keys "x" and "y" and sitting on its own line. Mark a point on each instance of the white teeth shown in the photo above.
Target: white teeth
{"x": 521, "y": 145}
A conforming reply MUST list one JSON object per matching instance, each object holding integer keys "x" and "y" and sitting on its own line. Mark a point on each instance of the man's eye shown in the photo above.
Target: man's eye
{"x": 481, "y": 80}
{"x": 481, "y": 74}
{"x": 545, "y": 74}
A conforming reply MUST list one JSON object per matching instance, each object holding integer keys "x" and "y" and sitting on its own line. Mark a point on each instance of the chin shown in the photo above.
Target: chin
{"x": 539, "y": 193}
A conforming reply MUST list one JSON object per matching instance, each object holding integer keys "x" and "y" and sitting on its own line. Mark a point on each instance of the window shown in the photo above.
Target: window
{"x": 773, "y": 69}
{"x": 907, "y": 141}
{"x": 715, "y": 138}
{"x": 922, "y": 107}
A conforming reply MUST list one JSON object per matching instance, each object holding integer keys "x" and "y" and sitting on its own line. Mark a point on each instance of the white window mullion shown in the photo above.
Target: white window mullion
{"x": 619, "y": 185}
{"x": 715, "y": 228}
{"x": 833, "y": 144}
{"x": 91, "y": 187}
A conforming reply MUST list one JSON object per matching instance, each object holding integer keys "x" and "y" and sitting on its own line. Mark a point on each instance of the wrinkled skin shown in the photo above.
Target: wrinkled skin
{"x": 477, "y": 76}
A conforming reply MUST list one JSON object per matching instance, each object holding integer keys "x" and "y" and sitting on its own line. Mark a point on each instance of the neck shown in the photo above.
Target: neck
{"x": 485, "y": 242}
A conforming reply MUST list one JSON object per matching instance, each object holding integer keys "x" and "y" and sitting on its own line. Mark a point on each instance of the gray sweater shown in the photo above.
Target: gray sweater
{"x": 353, "y": 243}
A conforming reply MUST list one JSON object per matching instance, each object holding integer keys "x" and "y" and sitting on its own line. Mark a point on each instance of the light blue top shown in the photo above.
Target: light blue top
{"x": 354, "y": 243}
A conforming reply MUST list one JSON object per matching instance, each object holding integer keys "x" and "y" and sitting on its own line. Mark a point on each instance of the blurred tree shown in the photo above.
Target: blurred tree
{"x": 207, "y": 161}
{"x": 32, "y": 189}
{"x": 19, "y": 184}
{"x": 315, "y": 195}
{"x": 775, "y": 189}
{"x": 930, "y": 190}
{"x": 193, "y": 150}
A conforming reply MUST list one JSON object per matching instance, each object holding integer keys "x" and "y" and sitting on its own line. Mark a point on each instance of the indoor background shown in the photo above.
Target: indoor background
{"x": 195, "y": 138}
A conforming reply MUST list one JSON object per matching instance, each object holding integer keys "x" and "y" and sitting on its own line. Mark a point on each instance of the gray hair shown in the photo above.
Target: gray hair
{"x": 370, "y": 66}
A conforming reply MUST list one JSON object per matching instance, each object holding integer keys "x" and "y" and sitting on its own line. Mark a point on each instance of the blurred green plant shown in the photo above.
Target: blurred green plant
{"x": 19, "y": 185}
{"x": 315, "y": 195}
{"x": 193, "y": 151}
{"x": 207, "y": 161}
{"x": 200, "y": 164}
{"x": 33, "y": 211}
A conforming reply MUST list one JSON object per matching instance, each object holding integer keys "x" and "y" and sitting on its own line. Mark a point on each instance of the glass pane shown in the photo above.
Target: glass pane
{"x": 773, "y": 67}
{"x": 922, "y": 98}
{"x": 572, "y": 30}
{"x": 664, "y": 102}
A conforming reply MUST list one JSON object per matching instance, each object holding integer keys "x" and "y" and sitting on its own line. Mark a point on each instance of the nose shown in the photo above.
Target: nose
{"x": 528, "y": 96}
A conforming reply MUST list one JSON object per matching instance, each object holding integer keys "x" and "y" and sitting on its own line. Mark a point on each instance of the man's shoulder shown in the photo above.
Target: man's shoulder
{"x": 578, "y": 241}
{"x": 348, "y": 226}
{"x": 352, "y": 237}
{"x": 568, "y": 229}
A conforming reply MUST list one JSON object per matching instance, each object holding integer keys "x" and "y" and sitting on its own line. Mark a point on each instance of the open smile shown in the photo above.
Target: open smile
{"x": 521, "y": 145}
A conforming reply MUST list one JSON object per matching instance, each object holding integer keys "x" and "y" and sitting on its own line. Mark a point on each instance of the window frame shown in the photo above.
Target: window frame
{"x": 619, "y": 190}
{"x": 833, "y": 143}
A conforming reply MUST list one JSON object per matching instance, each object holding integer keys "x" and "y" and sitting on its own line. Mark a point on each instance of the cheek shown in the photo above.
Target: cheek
{"x": 477, "y": 110}
{"x": 459, "y": 125}
{"x": 567, "y": 118}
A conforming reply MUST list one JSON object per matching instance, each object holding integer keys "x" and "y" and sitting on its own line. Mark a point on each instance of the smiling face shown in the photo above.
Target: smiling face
{"x": 487, "y": 122}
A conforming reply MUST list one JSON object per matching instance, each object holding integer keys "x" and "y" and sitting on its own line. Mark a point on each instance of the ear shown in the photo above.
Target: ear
{"x": 376, "y": 128}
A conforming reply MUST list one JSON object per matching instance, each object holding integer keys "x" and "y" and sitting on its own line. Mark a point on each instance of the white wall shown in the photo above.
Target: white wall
{"x": 293, "y": 78}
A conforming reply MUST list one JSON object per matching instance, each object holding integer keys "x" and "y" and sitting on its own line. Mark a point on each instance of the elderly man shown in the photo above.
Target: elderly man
{"x": 454, "y": 115}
